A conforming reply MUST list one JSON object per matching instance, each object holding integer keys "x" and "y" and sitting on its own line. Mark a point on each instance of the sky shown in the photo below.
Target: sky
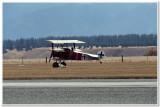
{"x": 26, "y": 20}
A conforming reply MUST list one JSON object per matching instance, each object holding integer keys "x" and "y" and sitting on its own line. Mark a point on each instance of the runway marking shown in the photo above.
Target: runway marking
{"x": 78, "y": 84}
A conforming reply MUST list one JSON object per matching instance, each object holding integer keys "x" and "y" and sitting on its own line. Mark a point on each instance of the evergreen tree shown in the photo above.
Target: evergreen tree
{"x": 100, "y": 40}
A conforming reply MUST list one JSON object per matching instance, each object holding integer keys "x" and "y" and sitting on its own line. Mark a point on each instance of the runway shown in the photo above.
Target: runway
{"x": 111, "y": 91}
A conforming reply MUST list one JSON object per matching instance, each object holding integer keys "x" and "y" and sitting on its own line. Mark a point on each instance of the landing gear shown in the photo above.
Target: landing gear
{"x": 55, "y": 65}
{"x": 100, "y": 62}
{"x": 59, "y": 64}
{"x": 63, "y": 63}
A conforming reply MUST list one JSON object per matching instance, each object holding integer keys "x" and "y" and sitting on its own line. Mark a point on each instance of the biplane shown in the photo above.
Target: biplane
{"x": 61, "y": 51}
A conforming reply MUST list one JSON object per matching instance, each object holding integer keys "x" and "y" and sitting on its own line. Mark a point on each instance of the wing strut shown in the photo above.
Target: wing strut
{"x": 74, "y": 45}
{"x": 51, "y": 53}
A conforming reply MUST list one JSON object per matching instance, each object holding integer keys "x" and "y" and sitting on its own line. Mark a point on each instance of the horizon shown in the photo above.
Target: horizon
{"x": 40, "y": 20}
{"x": 68, "y": 36}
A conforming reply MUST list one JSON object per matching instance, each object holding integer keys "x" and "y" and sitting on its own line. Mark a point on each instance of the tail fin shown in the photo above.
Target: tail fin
{"x": 101, "y": 54}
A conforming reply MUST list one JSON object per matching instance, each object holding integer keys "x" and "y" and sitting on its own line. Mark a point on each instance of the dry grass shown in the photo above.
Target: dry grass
{"x": 106, "y": 59}
{"x": 85, "y": 69}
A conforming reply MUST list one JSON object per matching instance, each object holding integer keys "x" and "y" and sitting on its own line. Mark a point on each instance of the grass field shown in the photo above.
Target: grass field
{"x": 80, "y": 69}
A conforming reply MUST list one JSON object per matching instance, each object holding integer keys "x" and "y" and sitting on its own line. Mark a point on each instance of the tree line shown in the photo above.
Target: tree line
{"x": 98, "y": 40}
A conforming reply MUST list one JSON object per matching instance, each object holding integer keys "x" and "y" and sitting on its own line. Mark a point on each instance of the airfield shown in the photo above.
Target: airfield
{"x": 33, "y": 81}
{"x": 111, "y": 68}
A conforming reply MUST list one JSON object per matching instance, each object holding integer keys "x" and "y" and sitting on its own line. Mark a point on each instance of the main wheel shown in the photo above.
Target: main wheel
{"x": 63, "y": 63}
{"x": 55, "y": 65}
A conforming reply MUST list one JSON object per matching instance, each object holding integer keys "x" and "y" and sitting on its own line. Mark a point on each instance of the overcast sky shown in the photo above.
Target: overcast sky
{"x": 25, "y": 20}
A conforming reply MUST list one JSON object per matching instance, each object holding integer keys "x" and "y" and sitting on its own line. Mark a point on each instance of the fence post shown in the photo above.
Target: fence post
{"x": 122, "y": 58}
{"x": 46, "y": 59}
{"x": 22, "y": 61}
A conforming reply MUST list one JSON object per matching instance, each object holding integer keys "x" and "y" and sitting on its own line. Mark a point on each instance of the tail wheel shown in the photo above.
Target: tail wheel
{"x": 55, "y": 65}
{"x": 100, "y": 62}
{"x": 63, "y": 63}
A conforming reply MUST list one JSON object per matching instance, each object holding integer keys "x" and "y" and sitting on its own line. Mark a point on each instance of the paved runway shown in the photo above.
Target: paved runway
{"x": 111, "y": 91}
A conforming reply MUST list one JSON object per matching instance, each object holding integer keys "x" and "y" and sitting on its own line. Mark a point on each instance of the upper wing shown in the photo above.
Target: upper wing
{"x": 64, "y": 41}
